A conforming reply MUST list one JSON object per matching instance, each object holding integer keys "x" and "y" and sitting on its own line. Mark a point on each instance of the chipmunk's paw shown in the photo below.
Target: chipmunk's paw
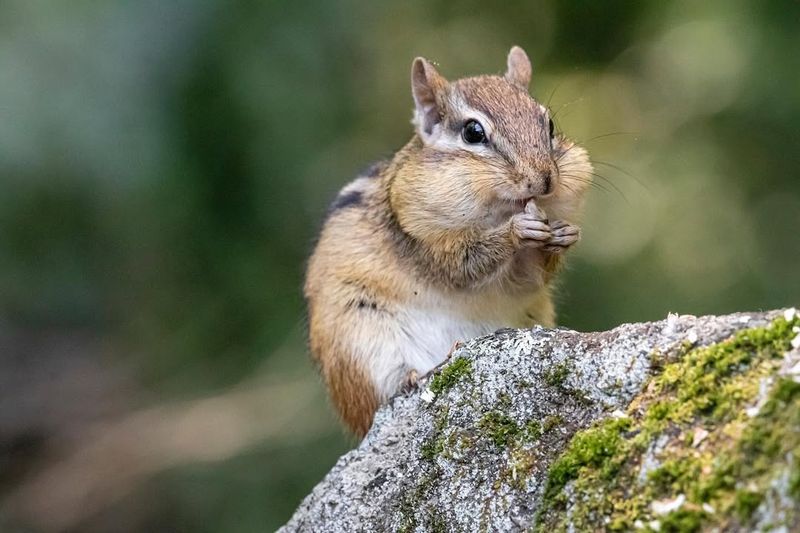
{"x": 531, "y": 228}
{"x": 410, "y": 382}
{"x": 456, "y": 346}
{"x": 563, "y": 236}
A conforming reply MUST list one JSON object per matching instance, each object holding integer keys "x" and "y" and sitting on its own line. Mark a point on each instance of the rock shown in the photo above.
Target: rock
{"x": 553, "y": 429}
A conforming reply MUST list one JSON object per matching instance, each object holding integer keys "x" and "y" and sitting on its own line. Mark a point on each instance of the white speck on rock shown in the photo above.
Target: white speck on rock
{"x": 791, "y": 365}
{"x": 789, "y": 314}
{"x": 796, "y": 342}
{"x": 707, "y": 507}
{"x": 672, "y": 323}
{"x": 691, "y": 336}
{"x": 427, "y": 396}
{"x": 761, "y": 399}
{"x": 662, "y": 507}
{"x": 649, "y": 461}
{"x": 700, "y": 435}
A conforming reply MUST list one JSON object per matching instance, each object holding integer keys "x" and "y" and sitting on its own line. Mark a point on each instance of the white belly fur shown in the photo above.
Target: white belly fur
{"x": 430, "y": 334}
{"x": 422, "y": 336}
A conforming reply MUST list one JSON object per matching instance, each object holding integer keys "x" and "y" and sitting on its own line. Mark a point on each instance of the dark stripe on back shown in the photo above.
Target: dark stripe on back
{"x": 345, "y": 200}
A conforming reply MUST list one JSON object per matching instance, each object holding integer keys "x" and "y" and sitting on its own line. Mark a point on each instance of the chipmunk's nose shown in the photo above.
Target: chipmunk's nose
{"x": 541, "y": 182}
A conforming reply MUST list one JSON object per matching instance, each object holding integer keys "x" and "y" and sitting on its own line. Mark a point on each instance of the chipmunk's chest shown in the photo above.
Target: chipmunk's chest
{"x": 432, "y": 326}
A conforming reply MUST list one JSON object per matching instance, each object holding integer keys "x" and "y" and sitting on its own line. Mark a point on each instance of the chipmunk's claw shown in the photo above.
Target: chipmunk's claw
{"x": 563, "y": 236}
{"x": 410, "y": 382}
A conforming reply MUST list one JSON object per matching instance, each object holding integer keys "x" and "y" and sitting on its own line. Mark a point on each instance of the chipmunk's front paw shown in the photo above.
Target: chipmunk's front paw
{"x": 564, "y": 235}
{"x": 530, "y": 228}
{"x": 410, "y": 382}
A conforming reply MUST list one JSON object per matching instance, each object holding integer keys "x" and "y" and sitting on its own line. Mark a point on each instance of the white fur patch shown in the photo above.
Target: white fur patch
{"x": 430, "y": 334}
{"x": 448, "y": 141}
{"x": 416, "y": 339}
{"x": 421, "y": 337}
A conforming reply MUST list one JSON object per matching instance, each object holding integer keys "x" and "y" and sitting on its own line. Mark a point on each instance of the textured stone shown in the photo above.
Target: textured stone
{"x": 475, "y": 455}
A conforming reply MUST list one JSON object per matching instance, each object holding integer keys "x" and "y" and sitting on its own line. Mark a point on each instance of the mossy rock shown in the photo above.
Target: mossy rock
{"x": 713, "y": 442}
{"x": 687, "y": 424}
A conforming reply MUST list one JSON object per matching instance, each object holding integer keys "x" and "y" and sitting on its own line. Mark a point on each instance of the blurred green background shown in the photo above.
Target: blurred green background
{"x": 165, "y": 166}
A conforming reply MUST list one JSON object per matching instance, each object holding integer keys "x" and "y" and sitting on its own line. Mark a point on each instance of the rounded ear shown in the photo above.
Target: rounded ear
{"x": 427, "y": 86}
{"x": 519, "y": 68}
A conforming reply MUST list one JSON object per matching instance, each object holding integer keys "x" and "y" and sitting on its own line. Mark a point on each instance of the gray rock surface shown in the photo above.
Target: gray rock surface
{"x": 471, "y": 448}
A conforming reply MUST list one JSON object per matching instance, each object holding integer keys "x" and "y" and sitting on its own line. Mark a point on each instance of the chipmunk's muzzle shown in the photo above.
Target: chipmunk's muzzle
{"x": 542, "y": 182}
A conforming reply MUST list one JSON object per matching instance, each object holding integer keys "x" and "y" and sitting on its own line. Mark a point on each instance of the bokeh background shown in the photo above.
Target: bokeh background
{"x": 164, "y": 167}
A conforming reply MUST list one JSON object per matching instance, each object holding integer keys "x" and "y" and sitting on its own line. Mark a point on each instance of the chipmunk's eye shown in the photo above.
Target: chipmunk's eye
{"x": 552, "y": 128}
{"x": 473, "y": 132}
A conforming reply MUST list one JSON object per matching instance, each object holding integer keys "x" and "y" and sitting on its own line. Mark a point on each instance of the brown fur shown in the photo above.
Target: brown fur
{"x": 352, "y": 394}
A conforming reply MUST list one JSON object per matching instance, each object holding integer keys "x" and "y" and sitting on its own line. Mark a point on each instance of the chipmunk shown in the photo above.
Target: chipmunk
{"x": 457, "y": 235}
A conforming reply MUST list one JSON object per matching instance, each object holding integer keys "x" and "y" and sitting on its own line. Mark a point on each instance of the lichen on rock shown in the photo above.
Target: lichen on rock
{"x": 684, "y": 424}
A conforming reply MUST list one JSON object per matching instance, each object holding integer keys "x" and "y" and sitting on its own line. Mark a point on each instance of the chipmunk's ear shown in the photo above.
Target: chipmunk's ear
{"x": 427, "y": 86}
{"x": 519, "y": 68}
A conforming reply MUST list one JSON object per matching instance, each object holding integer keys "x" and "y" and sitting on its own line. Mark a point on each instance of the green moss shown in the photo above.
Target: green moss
{"x": 504, "y": 401}
{"x": 746, "y": 502}
{"x": 435, "y": 446}
{"x": 500, "y": 428}
{"x": 682, "y": 521}
{"x": 438, "y": 524}
{"x": 533, "y": 430}
{"x": 660, "y": 410}
{"x": 794, "y": 477}
{"x": 504, "y": 431}
{"x": 708, "y": 388}
{"x": 786, "y": 392}
{"x": 552, "y": 422}
{"x": 431, "y": 449}
{"x": 674, "y": 474}
{"x": 521, "y": 461}
{"x": 414, "y": 504}
{"x": 457, "y": 370}
{"x": 408, "y": 521}
{"x": 409, "y": 504}
{"x": 556, "y": 375}
{"x": 590, "y": 448}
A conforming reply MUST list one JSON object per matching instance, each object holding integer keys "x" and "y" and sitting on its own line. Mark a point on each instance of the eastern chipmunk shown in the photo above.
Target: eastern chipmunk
{"x": 459, "y": 234}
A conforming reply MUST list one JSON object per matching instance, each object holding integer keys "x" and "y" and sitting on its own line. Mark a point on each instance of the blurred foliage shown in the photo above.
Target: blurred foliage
{"x": 165, "y": 167}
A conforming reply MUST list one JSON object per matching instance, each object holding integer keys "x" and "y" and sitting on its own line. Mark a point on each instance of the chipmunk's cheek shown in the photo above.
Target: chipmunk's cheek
{"x": 483, "y": 193}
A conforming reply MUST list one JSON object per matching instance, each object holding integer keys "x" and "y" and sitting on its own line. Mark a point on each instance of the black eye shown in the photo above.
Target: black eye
{"x": 473, "y": 132}
{"x": 552, "y": 128}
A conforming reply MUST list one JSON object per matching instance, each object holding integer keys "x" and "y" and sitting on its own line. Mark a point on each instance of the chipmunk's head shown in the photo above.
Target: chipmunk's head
{"x": 487, "y": 135}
